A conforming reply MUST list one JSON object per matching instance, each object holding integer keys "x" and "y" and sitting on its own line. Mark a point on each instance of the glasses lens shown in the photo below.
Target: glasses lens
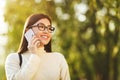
{"x": 51, "y": 29}
{"x": 41, "y": 28}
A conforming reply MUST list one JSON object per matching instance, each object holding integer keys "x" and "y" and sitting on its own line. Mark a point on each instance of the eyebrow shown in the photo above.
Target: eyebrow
{"x": 44, "y": 24}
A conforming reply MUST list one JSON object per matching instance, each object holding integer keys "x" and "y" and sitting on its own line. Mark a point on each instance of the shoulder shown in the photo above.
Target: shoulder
{"x": 12, "y": 61}
{"x": 12, "y": 56}
{"x": 58, "y": 55}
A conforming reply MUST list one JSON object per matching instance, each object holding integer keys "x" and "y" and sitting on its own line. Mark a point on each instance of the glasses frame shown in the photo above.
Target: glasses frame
{"x": 45, "y": 27}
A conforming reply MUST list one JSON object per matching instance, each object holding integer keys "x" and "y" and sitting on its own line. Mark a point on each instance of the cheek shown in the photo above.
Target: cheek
{"x": 50, "y": 36}
{"x": 48, "y": 40}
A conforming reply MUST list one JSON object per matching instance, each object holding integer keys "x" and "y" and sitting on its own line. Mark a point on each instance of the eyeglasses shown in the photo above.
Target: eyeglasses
{"x": 42, "y": 27}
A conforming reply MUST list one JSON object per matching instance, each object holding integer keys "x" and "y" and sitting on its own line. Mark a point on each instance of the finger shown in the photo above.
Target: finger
{"x": 33, "y": 41}
{"x": 37, "y": 43}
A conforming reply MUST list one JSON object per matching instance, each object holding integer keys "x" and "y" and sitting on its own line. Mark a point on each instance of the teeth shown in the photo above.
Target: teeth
{"x": 44, "y": 36}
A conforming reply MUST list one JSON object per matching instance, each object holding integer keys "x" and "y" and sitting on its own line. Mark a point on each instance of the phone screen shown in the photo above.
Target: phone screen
{"x": 29, "y": 34}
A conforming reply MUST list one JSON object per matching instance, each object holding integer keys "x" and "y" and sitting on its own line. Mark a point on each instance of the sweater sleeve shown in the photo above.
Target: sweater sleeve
{"x": 64, "y": 75}
{"x": 13, "y": 70}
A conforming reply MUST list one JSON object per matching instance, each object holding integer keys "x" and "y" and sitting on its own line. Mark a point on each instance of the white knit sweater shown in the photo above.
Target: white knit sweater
{"x": 50, "y": 66}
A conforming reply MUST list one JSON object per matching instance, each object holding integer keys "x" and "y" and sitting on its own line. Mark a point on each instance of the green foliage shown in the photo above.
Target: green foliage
{"x": 2, "y": 73}
{"x": 91, "y": 47}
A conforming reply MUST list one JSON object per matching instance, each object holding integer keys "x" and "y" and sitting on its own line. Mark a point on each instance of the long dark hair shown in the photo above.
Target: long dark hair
{"x": 30, "y": 21}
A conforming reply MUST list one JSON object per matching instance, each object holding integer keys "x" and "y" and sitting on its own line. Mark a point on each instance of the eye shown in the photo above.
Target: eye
{"x": 51, "y": 28}
{"x": 41, "y": 27}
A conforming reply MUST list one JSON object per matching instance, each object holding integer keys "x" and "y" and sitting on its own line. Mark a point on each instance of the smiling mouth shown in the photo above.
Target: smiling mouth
{"x": 44, "y": 36}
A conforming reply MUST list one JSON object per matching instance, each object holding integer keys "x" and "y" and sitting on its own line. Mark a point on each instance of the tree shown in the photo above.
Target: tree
{"x": 89, "y": 39}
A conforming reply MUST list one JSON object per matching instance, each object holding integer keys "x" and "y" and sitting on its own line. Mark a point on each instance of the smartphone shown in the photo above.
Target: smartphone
{"x": 29, "y": 34}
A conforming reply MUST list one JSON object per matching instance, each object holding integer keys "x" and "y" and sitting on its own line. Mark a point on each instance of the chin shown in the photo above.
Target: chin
{"x": 45, "y": 43}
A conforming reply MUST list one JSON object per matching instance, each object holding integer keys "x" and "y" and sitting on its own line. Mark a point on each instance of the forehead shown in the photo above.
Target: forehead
{"x": 45, "y": 21}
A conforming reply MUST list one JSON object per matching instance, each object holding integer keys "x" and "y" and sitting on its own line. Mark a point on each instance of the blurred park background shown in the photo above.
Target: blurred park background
{"x": 87, "y": 34}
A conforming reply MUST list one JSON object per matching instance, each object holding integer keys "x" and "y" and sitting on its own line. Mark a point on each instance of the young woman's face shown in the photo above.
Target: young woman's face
{"x": 44, "y": 35}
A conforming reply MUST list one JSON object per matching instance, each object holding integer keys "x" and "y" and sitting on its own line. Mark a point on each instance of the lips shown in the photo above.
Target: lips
{"x": 44, "y": 36}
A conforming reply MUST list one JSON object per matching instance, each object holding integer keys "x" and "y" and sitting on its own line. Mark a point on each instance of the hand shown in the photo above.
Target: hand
{"x": 34, "y": 44}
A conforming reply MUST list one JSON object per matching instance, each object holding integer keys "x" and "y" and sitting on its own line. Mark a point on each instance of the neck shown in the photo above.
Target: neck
{"x": 41, "y": 49}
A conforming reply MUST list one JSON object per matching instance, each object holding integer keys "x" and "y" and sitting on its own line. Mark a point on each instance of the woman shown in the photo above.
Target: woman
{"x": 38, "y": 61}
